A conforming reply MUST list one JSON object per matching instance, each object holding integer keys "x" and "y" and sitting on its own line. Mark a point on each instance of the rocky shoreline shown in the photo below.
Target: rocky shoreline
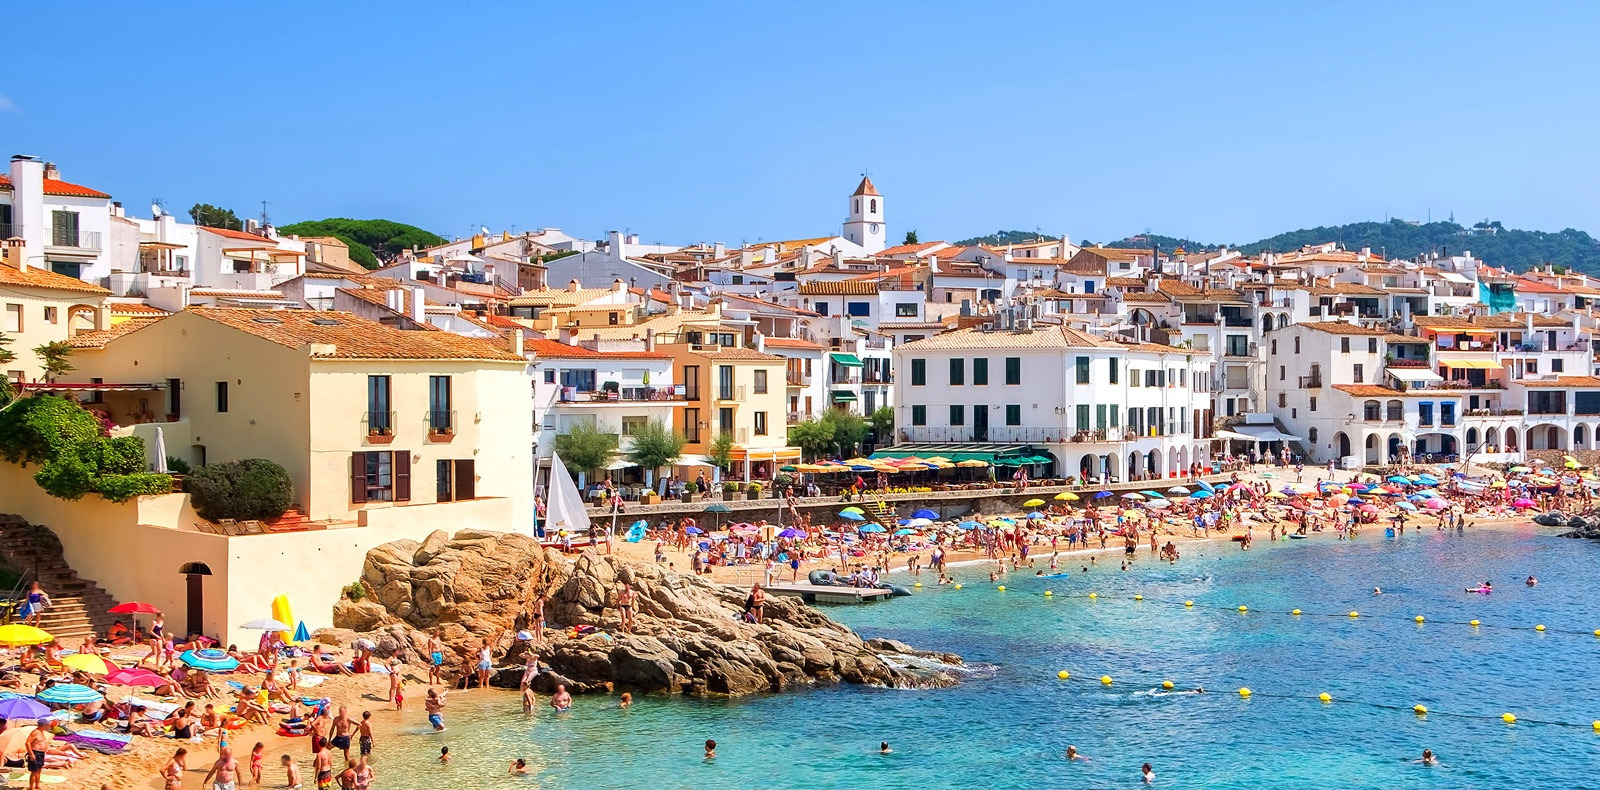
{"x": 687, "y": 638}
{"x": 1578, "y": 526}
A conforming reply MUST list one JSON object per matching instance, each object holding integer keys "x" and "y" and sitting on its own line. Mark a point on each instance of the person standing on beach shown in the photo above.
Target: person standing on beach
{"x": 434, "y": 705}
{"x": 172, "y": 772}
{"x": 226, "y": 769}
{"x": 364, "y": 730}
{"x": 625, "y": 602}
{"x": 291, "y": 773}
{"x": 322, "y": 769}
{"x": 435, "y": 657}
{"x": 343, "y": 726}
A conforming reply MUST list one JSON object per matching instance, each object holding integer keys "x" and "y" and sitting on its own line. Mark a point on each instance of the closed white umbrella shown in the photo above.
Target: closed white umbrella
{"x": 160, "y": 451}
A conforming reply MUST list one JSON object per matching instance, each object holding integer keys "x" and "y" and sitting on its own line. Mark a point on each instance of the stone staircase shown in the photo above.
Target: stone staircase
{"x": 77, "y": 605}
{"x": 882, "y": 513}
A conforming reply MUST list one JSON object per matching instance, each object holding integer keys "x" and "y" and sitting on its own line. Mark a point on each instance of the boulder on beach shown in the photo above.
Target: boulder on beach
{"x": 687, "y": 636}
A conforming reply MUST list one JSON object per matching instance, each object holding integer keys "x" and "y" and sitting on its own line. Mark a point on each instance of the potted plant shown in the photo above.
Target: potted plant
{"x": 781, "y": 482}
{"x": 689, "y": 490}
{"x": 649, "y": 497}
{"x": 612, "y": 389}
{"x": 755, "y": 490}
{"x": 730, "y": 490}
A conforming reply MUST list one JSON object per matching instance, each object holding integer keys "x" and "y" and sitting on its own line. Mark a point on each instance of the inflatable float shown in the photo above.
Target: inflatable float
{"x": 828, "y": 579}
{"x": 283, "y": 614}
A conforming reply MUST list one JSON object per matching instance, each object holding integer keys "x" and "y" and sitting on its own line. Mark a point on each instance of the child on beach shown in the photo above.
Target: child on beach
{"x": 434, "y": 705}
{"x": 256, "y": 756}
{"x": 394, "y": 680}
{"x": 399, "y": 691}
{"x": 291, "y": 773}
{"x": 444, "y": 754}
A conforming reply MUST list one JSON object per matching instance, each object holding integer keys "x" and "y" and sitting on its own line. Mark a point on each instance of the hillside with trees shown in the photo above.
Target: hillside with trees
{"x": 372, "y": 241}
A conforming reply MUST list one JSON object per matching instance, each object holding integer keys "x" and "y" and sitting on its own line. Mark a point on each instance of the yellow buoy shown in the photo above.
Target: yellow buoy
{"x": 1001, "y": 588}
{"x": 1244, "y": 692}
{"x": 1138, "y": 597}
{"x": 1166, "y": 684}
{"x": 1597, "y": 726}
{"x": 1048, "y": 593}
{"x": 958, "y": 587}
{"x": 1354, "y": 613}
{"x": 1190, "y": 604}
{"x": 1295, "y": 612}
{"x": 1509, "y": 718}
{"x": 1105, "y": 679}
{"x": 918, "y": 584}
{"x": 1243, "y": 608}
{"x": 1063, "y": 674}
{"x": 1419, "y": 710}
{"x": 1325, "y": 697}
{"x": 1094, "y": 595}
{"x": 1539, "y": 627}
{"x": 1474, "y": 624}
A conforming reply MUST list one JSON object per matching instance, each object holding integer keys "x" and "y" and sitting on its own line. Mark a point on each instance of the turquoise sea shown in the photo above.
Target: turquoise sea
{"x": 1008, "y": 726}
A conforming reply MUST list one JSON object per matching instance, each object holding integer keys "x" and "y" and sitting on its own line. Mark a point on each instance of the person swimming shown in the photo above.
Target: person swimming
{"x": 1072, "y": 754}
{"x": 883, "y": 748}
{"x": 1428, "y": 758}
{"x": 1531, "y": 581}
{"x": 711, "y": 749}
{"x": 1148, "y": 773}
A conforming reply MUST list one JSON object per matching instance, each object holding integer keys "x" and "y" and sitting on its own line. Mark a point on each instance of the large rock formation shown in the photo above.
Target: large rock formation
{"x": 687, "y": 637}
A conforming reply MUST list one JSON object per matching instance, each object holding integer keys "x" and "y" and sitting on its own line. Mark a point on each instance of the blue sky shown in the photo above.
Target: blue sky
{"x": 742, "y": 121}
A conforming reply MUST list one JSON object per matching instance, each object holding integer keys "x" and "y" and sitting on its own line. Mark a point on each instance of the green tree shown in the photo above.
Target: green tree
{"x": 253, "y": 488}
{"x": 655, "y": 444}
{"x": 911, "y": 237}
{"x": 74, "y": 455}
{"x": 209, "y": 216}
{"x": 882, "y": 421}
{"x": 720, "y": 452}
{"x": 813, "y": 437}
{"x": 849, "y": 429}
{"x": 44, "y": 427}
{"x": 7, "y": 356}
{"x": 586, "y": 448}
{"x": 53, "y": 358}
{"x": 371, "y": 240}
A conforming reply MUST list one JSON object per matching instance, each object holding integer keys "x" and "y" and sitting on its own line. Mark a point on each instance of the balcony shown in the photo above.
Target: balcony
{"x": 1310, "y": 382}
{"x": 847, "y": 376}
{"x": 380, "y": 426}
{"x": 1237, "y": 321}
{"x": 731, "y": 393}
{"x": 624, "y": 395}
{"x": 878, "y": 377}
{"x": 83, "y": 242}
{"x": 1009, "y": 434}
{"x": 796, "y": 379}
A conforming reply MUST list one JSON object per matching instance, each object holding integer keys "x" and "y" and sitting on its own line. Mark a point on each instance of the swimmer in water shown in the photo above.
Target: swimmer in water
{"x": 444, "y": 754}
{"x": 1149, "y": 773}
{"x": 883, "y": 748}
{"x": 1072, "y": 754}
{"x": 1038, "y": 573}
{"x": 520, "y": 766}
{"x": 1428, "y": 759}
{"x": 627, "y": 700}
{"x": 711, "y": 750}
{"x": 1377, "y": 591}
{"x": 1532, "y": 581}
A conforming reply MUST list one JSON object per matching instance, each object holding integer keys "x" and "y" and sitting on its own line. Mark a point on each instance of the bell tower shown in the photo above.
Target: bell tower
{"x": 865, "y": 225}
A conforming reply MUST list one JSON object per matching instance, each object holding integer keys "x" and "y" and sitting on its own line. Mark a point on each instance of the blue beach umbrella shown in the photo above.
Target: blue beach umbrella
{"x": 1405, "y": 481}
{"x": 72, "y": 693}
{"x": 22, "y": 708}
{"x": 1035, "y": 515}
{"x": 1102, "y": 495}
{"x": 969, "y": 525}
{"x": 1154, "y": 494}
{"x": 1407, "y": 506}
{"x": 791, "y": 533}
{"x": 871, "y": 528}
{"x": 925, "y": 513}
{"x": 301, "y": 633}
{"x": 692, "y": 530}
{"x": 1204, "y": 485}
{"x": 859, "y": 468}
{"x": 902, "y": 532}
{"x": 1201, "y": 495}
{"x": 852, "y": 516}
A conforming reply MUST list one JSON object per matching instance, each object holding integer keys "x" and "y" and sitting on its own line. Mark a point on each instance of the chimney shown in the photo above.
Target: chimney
{"x": 761, "y": 343}
{"x": 572, "y": 286}
{"x": 516, "y": 341}
{"x": 617, "y": 285}
{"x": 617, "y": 245}
{"x": 633, "y": 238}
{"x": 564, "y": 335}
{"x": 649, "y": 339}
{"x": 838, "y": 258}
{"x": 51, "y": 172}
{"x": 394, "y": 299}
{"x": 933, "y": 264}
{"x": 746, "y": 257}
{"x": 27, "y": 205}
{"x": 719, "y": 250}
{"x": 419, "y": 303}
{"x": 1366, "y": 254}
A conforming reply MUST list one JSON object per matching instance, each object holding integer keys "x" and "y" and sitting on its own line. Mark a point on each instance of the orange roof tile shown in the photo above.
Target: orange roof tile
{"x": 99, "y": 338}
{"x": 61, "y": 188}
{"x": 35, "y": 277}
{"x": 1375, "y": 391}
{"x": 351, "y": 336}
{"x": 792, "y": 342}
{"x": 237, "y": 234}
{"x": 1342, "y": 328}
{"x": 866, "y": 188}
{"x": 1561, "y": 382}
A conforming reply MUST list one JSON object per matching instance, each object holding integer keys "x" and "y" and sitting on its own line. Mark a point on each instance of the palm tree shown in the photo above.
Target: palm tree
{"x": 53, "y": 358}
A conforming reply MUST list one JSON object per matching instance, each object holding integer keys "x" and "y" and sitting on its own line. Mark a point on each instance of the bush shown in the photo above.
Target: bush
{"x": 178, "y": 466}
{"x": 123, "y": 455}
{"x": 68, "y": 476}
{"x": 43, "y": 427}
{"x": 730, "y": 487}
{"x": 355, "y": 591}
{"x": 783, "y": 481}
{"x": 755, "y": 490}
{"x": 121, "y": 488}
{"x": 254, "y": 488}
{"x": 691, "y": 488}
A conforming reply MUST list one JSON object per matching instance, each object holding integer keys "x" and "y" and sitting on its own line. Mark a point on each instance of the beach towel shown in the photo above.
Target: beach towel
{"x": 100, "y": 741}
{"x": 154, "y": 708}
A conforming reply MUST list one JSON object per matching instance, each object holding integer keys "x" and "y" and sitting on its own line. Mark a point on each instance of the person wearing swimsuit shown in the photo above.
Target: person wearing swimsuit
{"x": 625, "y": 599}
{"x": 322, "y": 765}
{"x": 172, "y": 772}
{"x": 363, "y": 774}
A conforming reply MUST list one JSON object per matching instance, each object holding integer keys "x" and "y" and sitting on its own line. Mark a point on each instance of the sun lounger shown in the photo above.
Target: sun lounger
{"x": 251, "y": 527}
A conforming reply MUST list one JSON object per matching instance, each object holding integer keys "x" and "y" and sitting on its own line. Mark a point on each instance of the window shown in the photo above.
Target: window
{"x": 1313, "y": 406}
{"x": 919, "y": 372}
{"x": 1150, "y": 378}
{"x": 455, "y": 480}
{"x": 761, "y": 423}
{"x": 1135, "y": 378}
{"x": 578, "y": 380}
{"x": 1013, "y": 371}
{"x": 1558, "y": 365}
{"x": 1274, "y": 347}
{"x": 873, "y": 203}
{"x": 859, "y": 309}
{"x": 1013, "y": 414}
{"x": 380, "y": 476}
{"x": 379, "y": 419}
{"x": 13, "y": 318}
{"x": 174, "y": 398}
{"x": 957, "y": 371}
{"x": 1083, "y": 417}
{"x": 1358, "y": 373}
{"x": 1297, "y": 345}
{"x": 1370, "y": 411}
{"x": 550, "y": 376}
{"x": 980, "y": 371}
{"x": 1344, "y": 345}
{"x": 725, "y": 420}
{"x": 1425, "y": 414}
{"x": 905, "y": 309}
{"x": 691, "y": 425}
{"x": 822, "y": 309}
{"x": 1447, "y": 413}
{"x": 632, "y": 425}
{"x": 1533, "y": 367}
{"x": 50, "y": 314}
{"x": 919, "y": 415}
{"x": 725, "y": 382}
{"x": 1312, "y": 435}
{"x": 1372, "y": 345}
{"x": 440, "y": 418}
{"x": 64, "y": 228}
{"x": 1395, "y": 411}
{"x": 760, "y": 382}
{"x": 1586, "y": 402}
{"x": 1283, "y": 372}
{"x": 1113, "y": 368}
{"x": 1083, "y": 370}
{"x": 1283, "y": 400}
{"x": 957, "y": 415}
{"x": 222, "y": 397}
{"x": 1100, "y": 417}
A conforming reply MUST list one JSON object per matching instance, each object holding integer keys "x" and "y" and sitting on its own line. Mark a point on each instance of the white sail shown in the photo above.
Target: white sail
{"x": 564, "y": 510}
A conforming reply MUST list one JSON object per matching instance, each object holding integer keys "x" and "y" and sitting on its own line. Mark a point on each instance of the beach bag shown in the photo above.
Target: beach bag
{"x": 44, "y": 601}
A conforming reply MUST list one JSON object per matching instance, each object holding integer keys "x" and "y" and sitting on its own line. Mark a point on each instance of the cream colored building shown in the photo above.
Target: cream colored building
{"x": 39, "y": 306}
{"x": 735, "y": 390}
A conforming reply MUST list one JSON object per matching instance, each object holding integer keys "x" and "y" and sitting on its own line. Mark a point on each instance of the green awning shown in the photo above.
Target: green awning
{"x": 843, "y": 396}
{"x": 847, "y": 360}
{"x": 970, "y": 451}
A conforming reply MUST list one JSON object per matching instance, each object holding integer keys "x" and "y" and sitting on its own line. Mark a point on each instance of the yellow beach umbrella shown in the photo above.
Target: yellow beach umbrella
{"x": 88, "y": 662}
{"x": 938, "y": 459}
{"x": 1277, "y": 495}
{"x": 1033, "y": 503}
{"x": 1067, "y": 496}
{"x": 15, "y": 634}
{"x": 972, "y": 464}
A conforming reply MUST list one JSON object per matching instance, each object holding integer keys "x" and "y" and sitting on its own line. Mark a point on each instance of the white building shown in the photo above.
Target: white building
{"x": 865, "y": 226}
{"x": 615, "y": 392}
{"x": 64, "y": 227}
{"x": 1094, "y": 408}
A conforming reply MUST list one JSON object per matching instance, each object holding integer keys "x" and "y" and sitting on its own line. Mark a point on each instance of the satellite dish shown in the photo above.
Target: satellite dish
{"x": 155, "y": 210}
{"x": 485, "y": 230}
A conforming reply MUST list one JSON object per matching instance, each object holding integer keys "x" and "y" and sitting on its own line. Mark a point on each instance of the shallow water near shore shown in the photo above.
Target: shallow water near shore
{"x": 1008, "y": 727}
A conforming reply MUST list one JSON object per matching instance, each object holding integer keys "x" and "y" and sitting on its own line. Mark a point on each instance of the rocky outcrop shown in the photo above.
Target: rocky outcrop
{"x": 687, "y": 636}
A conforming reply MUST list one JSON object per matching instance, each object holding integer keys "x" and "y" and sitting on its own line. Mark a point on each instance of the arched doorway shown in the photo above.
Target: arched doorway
{"x": 1113, "y": 467}
{"x": 1152, "y": 462}
{"x": 1341, "y": 443}
{"x": 1491, "y": 440}
{"x": 1395, "y": 446}
{"x": 1511, "y": 440}
{"x": 1088, "y": 467}
{"x": 1133, "y": 466}
{"x": 195, "y": 573}
{"x": 1374, "y": 454}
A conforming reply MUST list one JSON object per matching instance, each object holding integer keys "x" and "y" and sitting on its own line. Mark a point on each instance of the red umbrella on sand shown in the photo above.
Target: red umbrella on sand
{"x": 134, "y": 608}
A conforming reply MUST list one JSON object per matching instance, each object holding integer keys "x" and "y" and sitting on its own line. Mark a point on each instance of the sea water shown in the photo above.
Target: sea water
{"x": 1009, "y": 723}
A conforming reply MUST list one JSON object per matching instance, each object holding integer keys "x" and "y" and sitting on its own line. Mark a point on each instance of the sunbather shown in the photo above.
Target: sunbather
{"x": 119, "y": 634}
{"x": 141, "y": 724}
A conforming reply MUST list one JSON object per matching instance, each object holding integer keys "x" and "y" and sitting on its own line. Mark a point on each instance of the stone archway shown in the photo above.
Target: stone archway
{"x": 1341, "y": 444}
{"x": 1374, "y": 451}
{"x": 1511, "y": 440}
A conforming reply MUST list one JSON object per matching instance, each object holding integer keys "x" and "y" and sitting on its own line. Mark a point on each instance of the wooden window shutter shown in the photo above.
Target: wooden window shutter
{"x": 466, "y": 480}
{"x": 358, "y": 478}
{"x": 402, "y": 476}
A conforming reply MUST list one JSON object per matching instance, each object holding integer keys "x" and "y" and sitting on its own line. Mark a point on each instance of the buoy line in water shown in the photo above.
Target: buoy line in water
{"x": 1350, "y": 615}
{"x": 1168, "y": 687}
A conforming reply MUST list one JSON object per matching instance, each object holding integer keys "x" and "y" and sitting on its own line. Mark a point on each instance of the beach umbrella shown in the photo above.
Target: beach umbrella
{"x": 925, "y": 513}
{"x": 1401, "y": 480}
{"x": 717, "y": 508}
{"x": 903, "y": 532}
{"x": 14, "y": 740}
{"x": 1201, "y": 495}
{"x": 851, "y": 516}
{"x": 1355, "y": 500}
{"x": 134, "y": 676}
{"x": 1177, "y": 490}
{"x": 1369, "y": 508}
{"x": 693, "y": 531}
{"x": 1035, "y": 515}
{"x": 1524, "y": 502}
{"x": 968, "y": 525}
{"x": 134, "y": 607}
{"x": 22, "y": 708}
{"x": 16, "y": 634}
{"x": 791, "y": 532}
{"x": 1033, "y": 503}
{"x": 1521, "y": 469}
{"x": 1158, "y": 504}
{"x": 1277, "y": 495}
{"x": 1435, "y": 504}
{"x": 872, "y": 528}
{"x": 302, "y": 633}
{"x": 999, "y": 524}
{"x": 1132, "y": 496}
{"x": 212, "y": 660}
{"x": 1407, "y": 506}
{"x": 1067, "y": 496}
{"x": 68, "y": 694}
{"x": 1102, "y": 495}
{"x": 919, "y": 522}
{"x": 853, "y": 509}
{"x": 88, "y": 662}
{"x": 1204, "y": 486}
{"x": 1153, "y": 494}
{"x": 267, "y": 624}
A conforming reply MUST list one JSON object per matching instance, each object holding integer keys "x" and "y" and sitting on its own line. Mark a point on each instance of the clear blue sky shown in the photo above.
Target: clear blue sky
{"x": 738, "y": 121}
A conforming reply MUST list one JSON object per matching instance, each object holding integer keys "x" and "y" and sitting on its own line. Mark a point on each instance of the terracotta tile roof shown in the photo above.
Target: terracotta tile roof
{"x": 846, "y": 288}
{"x": 909, "y": 249}
{"x": 238, "y": 235}
{"x": 792, "y": 342}
{"x": 351, "y": 336}
{"x": 1048, "y": 337}
{"x": 225, "y": 292}
{"x": 866, "y": 188}
{"x": 1375, "y": 391}
{"x": 99, "y": 338}
{"x": 736, "y": 354}
{"x": 1534, "y": 286}
{"x": 1499, "y": 321}
{"x": 1136, "y": 283}
{"x": 1342, "y": 328}
{"x": 136, "y": 309}
{"x": 61, "y": 188}
{"x": 1561, "y": 382}
{"x": 1140, "y": 296}
{"x": 35, "y": 277}
{"x": 1394, "y": 338}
